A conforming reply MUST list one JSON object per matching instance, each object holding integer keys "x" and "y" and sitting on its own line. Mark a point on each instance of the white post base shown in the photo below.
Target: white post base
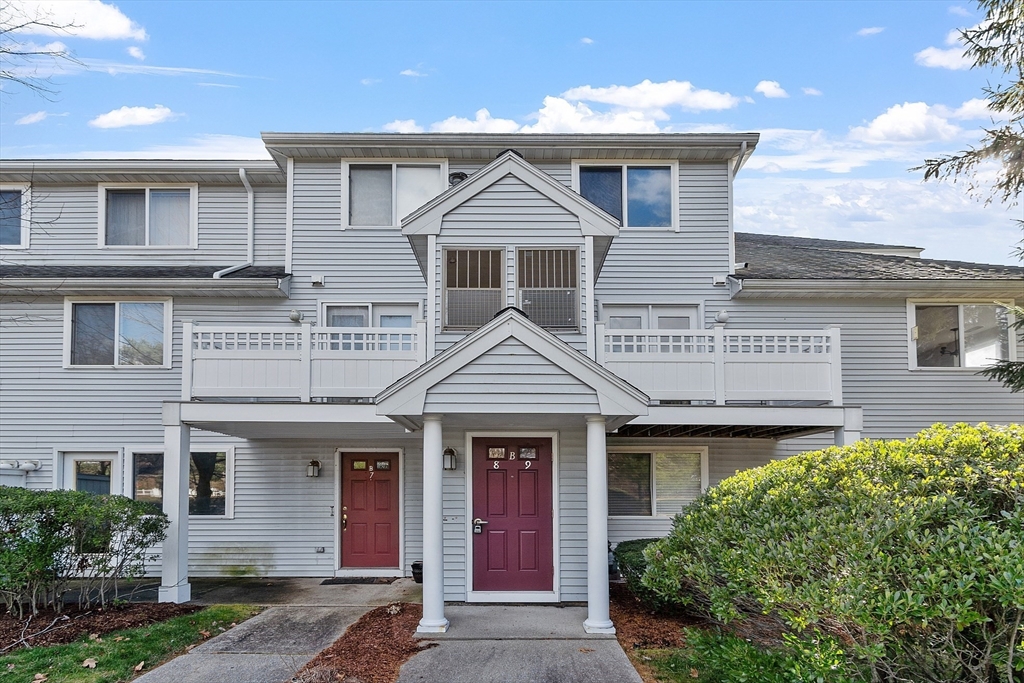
{"x": 432, "y": 626}
{"x": 599, "y": 627}
{"x": 176, "y": 594}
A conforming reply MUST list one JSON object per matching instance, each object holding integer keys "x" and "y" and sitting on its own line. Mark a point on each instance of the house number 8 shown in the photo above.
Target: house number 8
{"x": 495, "y": 464}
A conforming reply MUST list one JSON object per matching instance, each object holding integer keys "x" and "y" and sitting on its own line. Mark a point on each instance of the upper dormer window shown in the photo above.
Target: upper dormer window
{"x": 639, "y": 195}
{"x": 380, "y": 195}
{"x": 162, "y": 216}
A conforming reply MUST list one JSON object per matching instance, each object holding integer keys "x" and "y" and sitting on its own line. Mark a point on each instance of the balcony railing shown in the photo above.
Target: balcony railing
{"x": 720, "y": 365}
{"x": 296, "y": 362}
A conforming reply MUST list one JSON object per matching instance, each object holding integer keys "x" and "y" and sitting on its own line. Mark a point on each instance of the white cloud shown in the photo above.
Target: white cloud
{"x": 811, "y": 91}
{"x": 937, "y": 58}
{"x": 959, "y": 11}
{"x": 132, "y": 116}
{"x": 885, "y": 210}
{"x": 82, "y": 18}
{"x": 136, "y": 52}
{"x": 587, "y": 41}
{"x": 972, "y": 109}
{"x": 558, "y": 115}
{"x": 369, "y": 81}
{"x": 870, "y": 31}
{"x": 29, "y": 119}
{"x": 650, "y": 96}
{"x": 202, "y": 147}
{"x": 907, "y": 122}
{"x": 411, "y": 72}
{"x": 115, "y": 68}
{"x": 403, "y": 126}
{"x": 770, "y": 89}
{"x": 216, "y": 85}
{"x": 483, "y": 123}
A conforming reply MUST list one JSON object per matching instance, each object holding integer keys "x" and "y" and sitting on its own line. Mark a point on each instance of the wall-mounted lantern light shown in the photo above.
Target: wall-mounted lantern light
{"x": 451, "y": 461}
{"x": 313, "y": 468}
{"x": 295, "y": 315}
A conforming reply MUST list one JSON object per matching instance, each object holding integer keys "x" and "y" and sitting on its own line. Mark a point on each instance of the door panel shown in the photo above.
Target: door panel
{"x": 513, "y": 496}
{"x": 369, "y": 508}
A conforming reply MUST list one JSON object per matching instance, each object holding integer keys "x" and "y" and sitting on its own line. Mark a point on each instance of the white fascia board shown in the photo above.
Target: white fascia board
{"x": 767, "y": 416}
{"x": 427, "y": 220}
{"x": 407, "y": 395}
{"x": 193, "y": 287}
{"x": 190, "y": 412}
{"x": 751, "y": 288}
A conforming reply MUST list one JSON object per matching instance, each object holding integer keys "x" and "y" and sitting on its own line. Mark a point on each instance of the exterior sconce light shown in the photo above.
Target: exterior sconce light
{"x": 451, "y": 461}
{"x": 295, "y": 315}
{"x": 722, "y": 317}
{"x": 313, "y": 468}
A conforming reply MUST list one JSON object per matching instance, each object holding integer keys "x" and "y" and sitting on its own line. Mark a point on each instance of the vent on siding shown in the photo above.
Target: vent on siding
{"x": 549, "y": 286}
{"x": 473, "y": 286}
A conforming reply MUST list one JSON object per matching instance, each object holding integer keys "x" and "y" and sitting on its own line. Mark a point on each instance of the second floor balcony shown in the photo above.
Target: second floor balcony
{"x": 706, "y": 367}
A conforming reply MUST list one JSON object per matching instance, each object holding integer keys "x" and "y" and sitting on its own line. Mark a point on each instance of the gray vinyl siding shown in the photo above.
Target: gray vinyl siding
{"x": 511, "y": 378}
{"x": 560, "y": 171}
{"x": 510, "y": 215}
{"x": 726, "y": 457}
{"x": 359, "y": 265}
{"x": 662, "y": 266}
{"x": 65, "y": 229}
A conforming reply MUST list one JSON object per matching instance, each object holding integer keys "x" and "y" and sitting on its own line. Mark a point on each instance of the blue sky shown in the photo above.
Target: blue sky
{"x": 847, "y": 96}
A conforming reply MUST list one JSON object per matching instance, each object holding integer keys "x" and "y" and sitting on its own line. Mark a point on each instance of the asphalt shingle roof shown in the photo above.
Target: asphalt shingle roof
{"x": 137, "y": 272}
{"x": 771, "y": 257}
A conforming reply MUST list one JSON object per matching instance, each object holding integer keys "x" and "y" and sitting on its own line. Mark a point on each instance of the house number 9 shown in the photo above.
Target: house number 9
{"x": 528, "y": 463}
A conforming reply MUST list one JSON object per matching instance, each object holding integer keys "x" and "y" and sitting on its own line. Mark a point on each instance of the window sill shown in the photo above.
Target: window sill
{"x": 145, "y": 247}
{"x": 969, "y": 370}
{"x": 14, "y": 247}
{"x": 649, "y": 518}
{"x": 131, "y": 368}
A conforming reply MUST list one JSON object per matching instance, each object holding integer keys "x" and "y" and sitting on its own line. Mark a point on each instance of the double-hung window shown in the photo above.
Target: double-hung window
{"x": 14, "y": 216}
{"x": 654, "y": 482}
{"x": 549, "y": 289}
{"x": 639, "y": 195}
{"x": 958, "y": 335}
{"x": 380, "y": 195}
{"x": 474, "y": 286}
{"x": 117, "y": 333}
{"x": 163, "y": 216}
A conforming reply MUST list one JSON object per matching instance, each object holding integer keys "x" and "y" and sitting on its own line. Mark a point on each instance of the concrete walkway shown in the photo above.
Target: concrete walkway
{"x": 513, "y": 644}
{"x": 303, "y": 619}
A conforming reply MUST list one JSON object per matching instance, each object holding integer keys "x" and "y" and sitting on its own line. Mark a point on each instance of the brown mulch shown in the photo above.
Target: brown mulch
{"x": 372, "y": 650}
{"x": 52, "y": 628}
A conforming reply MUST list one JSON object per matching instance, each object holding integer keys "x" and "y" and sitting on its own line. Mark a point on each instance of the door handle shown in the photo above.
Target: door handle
{"x": 344, "y": 522}
{"x": 479, "y": 521}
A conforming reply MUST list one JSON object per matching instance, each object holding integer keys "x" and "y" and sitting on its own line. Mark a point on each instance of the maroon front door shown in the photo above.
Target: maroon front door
{"x": 512, "y": 501}
{"x": 369, "y": 510}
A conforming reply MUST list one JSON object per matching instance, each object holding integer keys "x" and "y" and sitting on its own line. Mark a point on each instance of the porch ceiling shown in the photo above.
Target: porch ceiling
{"x": 744, "y": 422}
{"x": 288, "y": 420}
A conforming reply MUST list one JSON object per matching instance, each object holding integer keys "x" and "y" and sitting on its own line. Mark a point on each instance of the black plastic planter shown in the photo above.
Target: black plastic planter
{"x": 417, "y": 572}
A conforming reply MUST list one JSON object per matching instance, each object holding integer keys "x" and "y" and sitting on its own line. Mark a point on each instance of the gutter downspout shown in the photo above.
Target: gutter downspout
{"x": 251, "y": 243}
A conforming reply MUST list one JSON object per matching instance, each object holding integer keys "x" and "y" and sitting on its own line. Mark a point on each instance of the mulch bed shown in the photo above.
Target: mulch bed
{"x": 372, "y": 650}
{"x": 52, "y": 628}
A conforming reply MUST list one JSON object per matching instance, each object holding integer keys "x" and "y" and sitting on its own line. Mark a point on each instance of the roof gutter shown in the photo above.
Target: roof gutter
{"x": 251, "y": 242}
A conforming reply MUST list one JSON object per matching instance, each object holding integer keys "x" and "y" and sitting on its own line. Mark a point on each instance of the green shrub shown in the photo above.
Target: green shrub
{"x": 912, "y": 552}
{"x": 629, "y": 556}
{"x": 716, "y": 657}
{"x": 50, "y": 538}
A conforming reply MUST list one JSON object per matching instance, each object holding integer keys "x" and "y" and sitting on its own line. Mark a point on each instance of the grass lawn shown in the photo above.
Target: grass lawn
{"x": 116, "y": 654}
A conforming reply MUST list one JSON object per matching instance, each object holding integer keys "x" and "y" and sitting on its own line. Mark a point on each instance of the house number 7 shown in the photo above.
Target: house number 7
{"x": 371, "y": 472}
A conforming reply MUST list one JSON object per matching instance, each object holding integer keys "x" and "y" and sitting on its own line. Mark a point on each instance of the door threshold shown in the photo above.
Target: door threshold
{"x": 375, "y": 572}
{"x": 511, "y": 596}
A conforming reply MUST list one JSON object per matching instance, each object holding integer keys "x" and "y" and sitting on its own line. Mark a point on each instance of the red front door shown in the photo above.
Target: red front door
{"x": 512, "y": 496}
{"x": 369, "y": 510}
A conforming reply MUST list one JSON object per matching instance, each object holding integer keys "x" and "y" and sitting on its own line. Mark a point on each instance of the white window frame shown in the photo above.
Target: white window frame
{"x": 579, "y": 282}
{"x": 674, "y": 180}
{"x": 394, "y": 162}
{"x": 705, "y": 474}
{"x": 229, "y": 474}
{"x": 61, "y": 456}
{"x": 443, "y": 277}
{"x": 323, "y": 304}
{"x": 69, "y": 303}
{"x": 653, "y": 311}
{"x": 193, "y": 231}
{"x": 959, "y": 303}
{"x": 26, "y": 211}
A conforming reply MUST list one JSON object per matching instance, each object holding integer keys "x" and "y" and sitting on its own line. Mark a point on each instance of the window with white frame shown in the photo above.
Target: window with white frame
{"x": 474, "y": 286}
{"x": 380, "y": 195}
{"x": 210, "y": 480}
{"x": 651, "y": 317}
{"x": 639, "y": 195}
{"x": 163, "y": 216}
{"x": 14, "y": 216}
{"x": 959, "y": 335}
{"x": 117, "y": 333}
{"x": 549, "y": 287}
{"x": 654, "y": 482}
{"x": 369, "y": 315}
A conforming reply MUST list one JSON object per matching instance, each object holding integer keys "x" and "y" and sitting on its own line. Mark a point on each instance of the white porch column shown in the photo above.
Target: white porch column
{"x": 598, "y": 618}
{"x": 174, "y": 585}
{"x": 853, "y": 425}
{"x": 433, "y": 620}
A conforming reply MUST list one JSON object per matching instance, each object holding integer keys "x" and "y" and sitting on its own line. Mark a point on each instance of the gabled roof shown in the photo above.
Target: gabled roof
{"x": 618, "y": 400}
{"x": 831, "y": 245}
{"x": 427, "y": 219}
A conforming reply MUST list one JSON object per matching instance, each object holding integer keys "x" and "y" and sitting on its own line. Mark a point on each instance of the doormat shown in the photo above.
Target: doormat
{"x": 364, "y": 580}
